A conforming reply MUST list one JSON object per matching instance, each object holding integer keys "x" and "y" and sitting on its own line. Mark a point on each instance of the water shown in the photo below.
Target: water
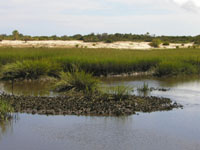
{"x": 173, "y": 130}
{"x": 33, "y": 88}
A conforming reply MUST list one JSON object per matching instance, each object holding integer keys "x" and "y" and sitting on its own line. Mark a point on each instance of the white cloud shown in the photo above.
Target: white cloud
{"x": 196, "y": 2}
{"x": 189, "y": 5}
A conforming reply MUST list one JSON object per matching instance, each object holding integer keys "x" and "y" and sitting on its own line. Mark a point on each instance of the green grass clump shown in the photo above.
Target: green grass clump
{"x": 5, "y": 110}
{"x": 120, "y": 92}
{"x": 144, "y": 88}
{"x": 29, "y": 69}
{"x": 77, "y": 80}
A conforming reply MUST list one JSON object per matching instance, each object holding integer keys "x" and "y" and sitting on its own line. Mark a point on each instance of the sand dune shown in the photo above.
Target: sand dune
{"x": 81, "y": 44}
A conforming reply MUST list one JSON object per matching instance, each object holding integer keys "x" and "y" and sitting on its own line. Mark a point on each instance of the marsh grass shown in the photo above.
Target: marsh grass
{"x": 5, "y": 110}
{"x": 29, "y": 69}
{"x": 176, "y": 68}
{"x": 120, "y": 92}
{"x": 77, "y": 80}
{"x": 34, "y": 62}
{"x": 144, "y": 88}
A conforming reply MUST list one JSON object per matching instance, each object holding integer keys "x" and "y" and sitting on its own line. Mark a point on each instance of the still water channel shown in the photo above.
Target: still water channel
{"x": 178, "y": 129}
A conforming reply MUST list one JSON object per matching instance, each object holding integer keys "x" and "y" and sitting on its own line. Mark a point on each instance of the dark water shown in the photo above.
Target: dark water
{"x": 174, "y": 130}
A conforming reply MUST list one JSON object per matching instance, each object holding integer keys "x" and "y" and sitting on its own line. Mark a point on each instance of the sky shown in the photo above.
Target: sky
{"x": 69, "y": 17}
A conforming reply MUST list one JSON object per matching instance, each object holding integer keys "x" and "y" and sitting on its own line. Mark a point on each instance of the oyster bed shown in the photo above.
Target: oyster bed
{"x": 80, "y": 104}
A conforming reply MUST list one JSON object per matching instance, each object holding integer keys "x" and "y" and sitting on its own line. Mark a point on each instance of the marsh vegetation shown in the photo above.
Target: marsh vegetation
{"x": 77, "y": 80}
{"x": 33, "y": 63}
{"x": 5, "y": 110}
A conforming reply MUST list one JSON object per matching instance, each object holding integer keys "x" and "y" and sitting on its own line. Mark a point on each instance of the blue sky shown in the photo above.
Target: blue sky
{"x": 68, "y": 17}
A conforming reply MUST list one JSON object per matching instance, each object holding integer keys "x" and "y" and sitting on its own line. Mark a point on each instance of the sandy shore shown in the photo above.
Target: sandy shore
{"x": 81, "y": 44}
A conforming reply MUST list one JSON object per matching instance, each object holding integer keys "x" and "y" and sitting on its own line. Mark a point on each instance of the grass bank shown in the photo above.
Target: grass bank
{"x": 35, "y": 62}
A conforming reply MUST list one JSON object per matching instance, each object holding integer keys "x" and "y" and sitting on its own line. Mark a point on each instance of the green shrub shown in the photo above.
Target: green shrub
{"x": 166, "y": 43}
{"x": 109, "y": 41}
{"x": 77, "y": 80}
{"x": 155, "y": 43}
{"x": 5, "y": 110}
{"x": 197, "y": 42}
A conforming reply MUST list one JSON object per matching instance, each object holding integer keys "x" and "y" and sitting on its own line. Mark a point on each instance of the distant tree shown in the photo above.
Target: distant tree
{"x": 54, "y": 37}
{"x": 15, "y": 35}
{"x": 26, "y": 38}
{"x": 77, "y": 37}
{"x": 147, "y": 34}
{"x": 65, "y": 37}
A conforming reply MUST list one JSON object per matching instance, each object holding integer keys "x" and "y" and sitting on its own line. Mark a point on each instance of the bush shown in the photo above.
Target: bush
{"x": 155, "y": 43}
{"x": 5, "y": 110}
{"x": 197, "y": 42}
{"x": 166, "y": 43}
{"x": 77, "y": 80}
{"x": 109, "y": 41}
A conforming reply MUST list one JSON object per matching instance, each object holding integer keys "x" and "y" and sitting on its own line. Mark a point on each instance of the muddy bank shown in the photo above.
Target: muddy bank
{"x": 79, "y": 104}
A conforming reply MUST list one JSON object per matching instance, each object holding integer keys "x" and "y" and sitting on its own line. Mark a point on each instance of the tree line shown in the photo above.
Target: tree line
{"x": 104, "y": 37}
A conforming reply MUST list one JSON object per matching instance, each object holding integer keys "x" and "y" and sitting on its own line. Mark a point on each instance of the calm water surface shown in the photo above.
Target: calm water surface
{"x": 174, "y": 130}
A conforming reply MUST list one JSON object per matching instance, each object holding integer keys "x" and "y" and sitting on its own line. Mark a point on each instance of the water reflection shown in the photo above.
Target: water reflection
{"x": 162, "y": 82}
{"x": 33, "y": 88}
{"x": 166, "y": 130}
{"x": 6, "y": 126}
{"x": 38, "y": 88}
